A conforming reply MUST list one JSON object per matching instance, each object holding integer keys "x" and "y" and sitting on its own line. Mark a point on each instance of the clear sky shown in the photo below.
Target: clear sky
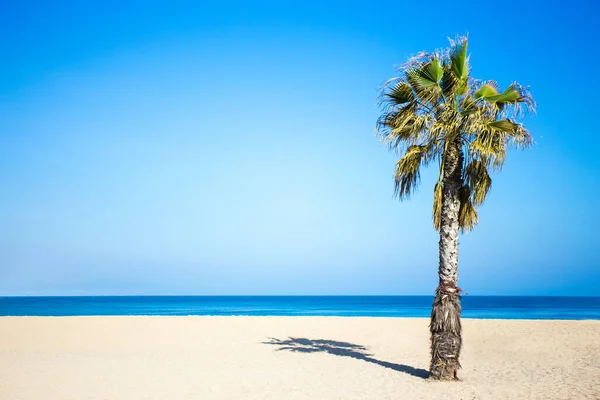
{"x": 196, "y": 147}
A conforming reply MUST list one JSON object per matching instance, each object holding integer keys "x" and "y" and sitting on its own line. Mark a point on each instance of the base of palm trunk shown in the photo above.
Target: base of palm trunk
{"x": 445, "y": 331}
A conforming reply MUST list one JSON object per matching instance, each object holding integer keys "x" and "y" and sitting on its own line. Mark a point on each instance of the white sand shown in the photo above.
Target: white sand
{"x": 225, "y": 358}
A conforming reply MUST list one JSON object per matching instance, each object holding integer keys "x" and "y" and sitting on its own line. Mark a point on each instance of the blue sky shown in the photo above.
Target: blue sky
{"x": 228, "y": 148}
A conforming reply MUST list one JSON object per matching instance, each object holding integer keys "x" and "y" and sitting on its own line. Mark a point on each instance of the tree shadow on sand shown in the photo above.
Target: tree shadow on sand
{"x": 342, "y": 349}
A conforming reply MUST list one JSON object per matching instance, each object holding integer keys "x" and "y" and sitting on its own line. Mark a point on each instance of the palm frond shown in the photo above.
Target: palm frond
{"x": 516, "y": 134}
{"x": 408, "y": 170}
{"x": 406, "y": 131}
{"x": 467, "y": 215}
{"x": 515, "y": 101}
{"x": 469, "y": 106}
{"x": 504, "y": 125}
{"x": 510, "y": 95}
{"x": 402, "y": 127}
{"x": 450, "y": 85}
{"x": 486, "y": 90}
{"x": 489, "y": 147}
{"x": 523, "y": 105}
{"x": 459, "y": 61}
{"x": 400, "y": 93}
{"x": 478, "y": 181}
{"x": 424, "y": 78}
{"x": 437, "y": 204}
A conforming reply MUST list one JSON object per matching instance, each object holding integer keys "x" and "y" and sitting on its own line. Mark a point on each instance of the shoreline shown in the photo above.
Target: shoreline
{"x": 476, "y": 307}
{"x": 292, "y": 316}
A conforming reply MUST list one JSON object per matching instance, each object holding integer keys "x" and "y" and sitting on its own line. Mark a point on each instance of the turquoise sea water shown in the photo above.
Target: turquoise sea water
{"x": 502, "y": 307}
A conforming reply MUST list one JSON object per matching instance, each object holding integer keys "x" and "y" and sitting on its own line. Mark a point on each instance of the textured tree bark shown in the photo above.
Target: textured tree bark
{"x": 445, "y": 324}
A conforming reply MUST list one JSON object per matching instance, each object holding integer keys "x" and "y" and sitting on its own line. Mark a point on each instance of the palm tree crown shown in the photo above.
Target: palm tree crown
{"x": 435, "y": 111}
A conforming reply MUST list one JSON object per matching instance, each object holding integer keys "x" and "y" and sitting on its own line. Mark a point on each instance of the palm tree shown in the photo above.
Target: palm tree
{"x": 435, "y": 111}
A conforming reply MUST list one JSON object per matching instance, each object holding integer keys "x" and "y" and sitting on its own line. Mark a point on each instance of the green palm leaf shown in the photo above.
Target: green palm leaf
{"x": 504, "y": 125}
{"x": 400, "y": 94}
{"x": 449, "y": 83}
{"x": 485, "y": 91}
{"x": 459, "y": 60}
{"x": 426, "y": 75}
{"x": 510, "y": 95}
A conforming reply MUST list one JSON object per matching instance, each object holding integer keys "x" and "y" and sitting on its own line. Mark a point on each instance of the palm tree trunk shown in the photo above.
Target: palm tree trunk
{"x": 445, "y": 325}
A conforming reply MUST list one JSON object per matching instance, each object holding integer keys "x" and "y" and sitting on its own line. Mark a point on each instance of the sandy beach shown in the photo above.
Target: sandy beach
{"x": 289, "y": 358}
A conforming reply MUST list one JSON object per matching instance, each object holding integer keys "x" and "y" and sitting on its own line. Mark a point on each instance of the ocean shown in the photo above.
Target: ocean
{"x": 500, "y": 307}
